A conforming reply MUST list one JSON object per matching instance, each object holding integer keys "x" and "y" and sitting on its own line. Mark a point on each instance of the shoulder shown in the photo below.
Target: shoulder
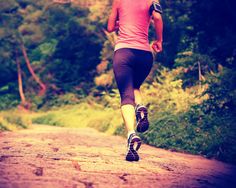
{"x": 151, "y": 1}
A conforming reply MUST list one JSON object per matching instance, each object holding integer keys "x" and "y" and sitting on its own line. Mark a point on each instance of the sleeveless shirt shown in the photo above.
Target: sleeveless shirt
{"x": 134, "y": 20}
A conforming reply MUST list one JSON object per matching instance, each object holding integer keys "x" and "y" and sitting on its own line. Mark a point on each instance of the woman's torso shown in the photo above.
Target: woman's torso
{"x": 134, "y": 20}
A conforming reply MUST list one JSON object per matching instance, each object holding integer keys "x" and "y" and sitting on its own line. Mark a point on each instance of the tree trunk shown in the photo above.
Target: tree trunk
{"x": 24, "y": 103}
{"x": 36, "y": 78}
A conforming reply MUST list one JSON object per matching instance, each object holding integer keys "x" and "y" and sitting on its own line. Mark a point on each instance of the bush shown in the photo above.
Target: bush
{"x": 166, "y": 94}
{"x": 13, "y": 120}
{"x": 48, "y": 119}
{"x": 89, "y": 114}
{"x": 8, "y": 101}
{"x": 201, "y": 125}
{"x": 53, "y": 101}
{"x": 196, "y": 132}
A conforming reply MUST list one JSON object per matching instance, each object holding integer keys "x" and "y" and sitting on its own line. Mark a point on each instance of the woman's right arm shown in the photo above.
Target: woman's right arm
{"x": 158, "y": 24}
{"x": 113, "y": 18}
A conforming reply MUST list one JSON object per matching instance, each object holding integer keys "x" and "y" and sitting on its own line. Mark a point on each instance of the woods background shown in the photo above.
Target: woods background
{"x": 56, "y": 68}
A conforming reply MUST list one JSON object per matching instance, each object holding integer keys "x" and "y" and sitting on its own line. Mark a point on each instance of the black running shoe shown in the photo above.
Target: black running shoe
{"x": 141, "y": 118}
{"x": 132, "y": 154}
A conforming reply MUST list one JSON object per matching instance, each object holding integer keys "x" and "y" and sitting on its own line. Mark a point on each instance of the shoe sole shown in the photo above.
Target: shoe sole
{"x": 132, "y": 154}
{"x": 143, "y": 124}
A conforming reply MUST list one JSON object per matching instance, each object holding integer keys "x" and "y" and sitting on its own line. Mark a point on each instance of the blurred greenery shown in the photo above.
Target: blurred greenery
{"x": 190, "y": 92}
{"x": 86, "y": 114}
{"x": 13, "y": 120}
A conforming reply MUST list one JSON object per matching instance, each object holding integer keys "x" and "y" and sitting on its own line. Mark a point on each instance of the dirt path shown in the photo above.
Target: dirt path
{"x": 53, "y": 157}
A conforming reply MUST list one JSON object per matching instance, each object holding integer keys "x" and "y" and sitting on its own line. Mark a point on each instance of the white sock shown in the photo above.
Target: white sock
{"x": 130, "y": 132}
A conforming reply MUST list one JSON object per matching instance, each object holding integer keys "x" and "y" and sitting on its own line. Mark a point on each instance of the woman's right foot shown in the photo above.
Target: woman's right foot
{"x": 141, "y": 118}
{"x": 132, "y": 154}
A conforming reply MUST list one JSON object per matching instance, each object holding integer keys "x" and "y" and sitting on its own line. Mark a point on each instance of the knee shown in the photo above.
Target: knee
{"x": 127, "y": 99}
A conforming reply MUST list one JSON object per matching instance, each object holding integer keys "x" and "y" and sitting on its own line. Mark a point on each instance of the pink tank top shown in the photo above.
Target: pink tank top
{"x": 134, "y": 20}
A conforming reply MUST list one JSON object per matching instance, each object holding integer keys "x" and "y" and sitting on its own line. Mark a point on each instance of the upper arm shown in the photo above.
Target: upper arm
{"x": 156, "y": 15}
{"x": 113, "y": 15}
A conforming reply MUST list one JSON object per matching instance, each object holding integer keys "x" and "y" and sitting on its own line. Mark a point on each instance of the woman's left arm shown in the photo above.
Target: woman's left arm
{"x": 113, "y": 18}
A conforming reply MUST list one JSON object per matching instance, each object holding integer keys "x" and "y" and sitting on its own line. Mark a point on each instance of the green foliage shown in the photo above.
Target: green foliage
{"x": 16, "y": 120}
{"x": 13, "y": 120}
{"x": 9, "y": 21}
{"x": 62, "y": 100}
{"x": 196, "y": 67}
{"x": 8, "y": 101}
{"x": 166, "y": 94}
{"x": 191, "y": 132}
{"x": 120, "y": 130}
{"x": 194, "y": 131}
{"x": 206, "y": 126}
{"x": 50, "y": 101}
{"x": 218, "y": 43}
{"x": 48, "y": 119}
{"x": 62, "y": 51}
{"x": 48, "y": 48}
{"x": 89, "y": 114}
{"x": 192, "y": 106}
{"x": 222, "y": 91}
{"x": 76, "y": 53}
{"x": 177, "y": 30}
{"x": 111, "y": 99}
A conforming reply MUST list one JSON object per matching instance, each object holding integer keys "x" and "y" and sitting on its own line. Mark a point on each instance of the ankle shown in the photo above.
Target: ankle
{"x": 130, "y": 132}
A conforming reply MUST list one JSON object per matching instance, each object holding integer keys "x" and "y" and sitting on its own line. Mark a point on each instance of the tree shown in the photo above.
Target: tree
{"x": 24, "y": 103}
{"x": 77, "y": 52}
{"x": 12, "y": 39}
{"x": 215, "y": 29}
{"x": 31, "y": 70}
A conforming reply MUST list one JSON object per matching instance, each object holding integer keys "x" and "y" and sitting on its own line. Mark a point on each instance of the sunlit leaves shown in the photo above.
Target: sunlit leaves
{"x": 105, "y": 79}
{"x": 49, "y": 47}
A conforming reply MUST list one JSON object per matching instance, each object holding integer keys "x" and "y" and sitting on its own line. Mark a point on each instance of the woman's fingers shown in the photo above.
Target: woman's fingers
{"x": 157, "y": 46}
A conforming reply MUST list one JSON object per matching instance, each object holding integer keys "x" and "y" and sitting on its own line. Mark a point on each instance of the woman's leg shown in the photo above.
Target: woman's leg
{"x": 143, "y": 66}
{"x": 128, "y": 114}
{"x": 138, "y": 102}
{"x": 123, "y": 70}
{"x": 137, "y": 96}
{"x": 131, "y": 67}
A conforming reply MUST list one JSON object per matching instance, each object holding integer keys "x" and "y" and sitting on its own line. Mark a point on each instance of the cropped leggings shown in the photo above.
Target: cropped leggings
{"x": 131, "y": 67}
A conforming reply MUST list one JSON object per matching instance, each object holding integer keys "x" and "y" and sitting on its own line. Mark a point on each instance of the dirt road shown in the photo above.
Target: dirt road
{"x": 54, "y": 157}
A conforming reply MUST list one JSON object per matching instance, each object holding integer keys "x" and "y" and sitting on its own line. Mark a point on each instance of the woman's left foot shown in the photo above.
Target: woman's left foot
{"x": 132, "y": 154}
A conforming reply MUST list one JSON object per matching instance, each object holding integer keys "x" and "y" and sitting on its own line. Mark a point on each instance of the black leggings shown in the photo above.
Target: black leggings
{"x": 131, "y": 67}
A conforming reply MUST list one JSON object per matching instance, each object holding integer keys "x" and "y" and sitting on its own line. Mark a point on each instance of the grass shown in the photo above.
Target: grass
{"x": 82, "y": 115}
{"x": 13, "y": 120}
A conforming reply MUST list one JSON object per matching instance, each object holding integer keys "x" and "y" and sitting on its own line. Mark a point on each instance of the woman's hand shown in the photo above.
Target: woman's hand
{"x": 157, "y": 46}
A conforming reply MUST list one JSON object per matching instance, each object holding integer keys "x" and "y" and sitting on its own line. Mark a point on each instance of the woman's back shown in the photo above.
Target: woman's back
{"x": 134, "y": 22}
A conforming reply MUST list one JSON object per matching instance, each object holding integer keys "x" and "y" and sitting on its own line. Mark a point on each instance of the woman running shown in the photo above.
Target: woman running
{"x": 133, "y": 59}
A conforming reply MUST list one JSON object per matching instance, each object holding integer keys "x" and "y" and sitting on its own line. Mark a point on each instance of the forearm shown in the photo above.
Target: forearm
{"x": 113, "y": 24}
{"x": 158, "y": 24}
